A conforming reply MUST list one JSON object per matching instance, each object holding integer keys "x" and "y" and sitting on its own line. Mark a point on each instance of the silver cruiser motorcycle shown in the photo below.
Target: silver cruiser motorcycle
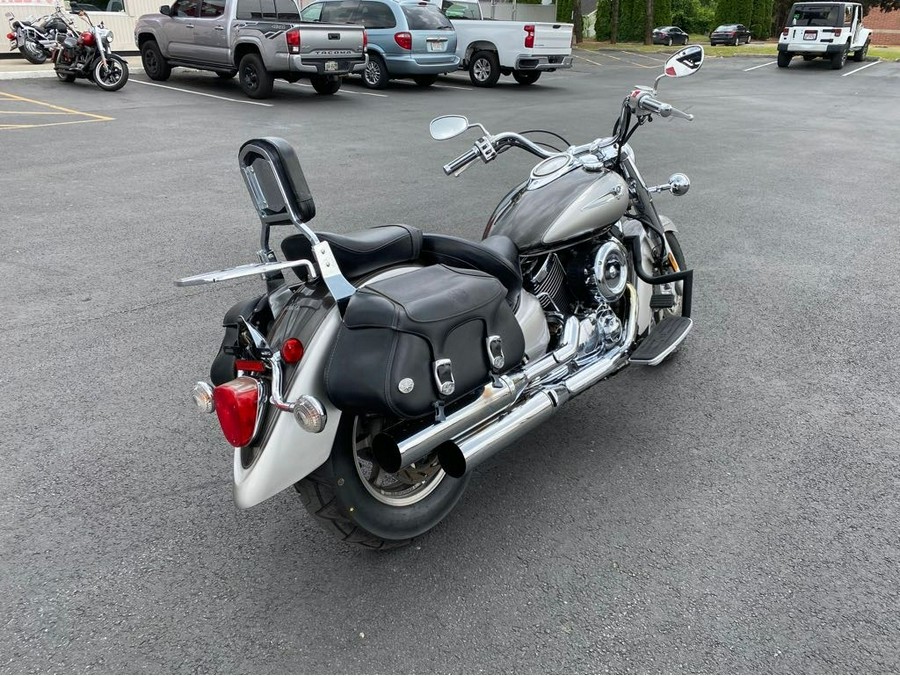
{"x": 397, "y": 360}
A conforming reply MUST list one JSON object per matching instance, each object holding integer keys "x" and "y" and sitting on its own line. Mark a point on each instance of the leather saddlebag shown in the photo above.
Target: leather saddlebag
{"x": 430, "y": 335}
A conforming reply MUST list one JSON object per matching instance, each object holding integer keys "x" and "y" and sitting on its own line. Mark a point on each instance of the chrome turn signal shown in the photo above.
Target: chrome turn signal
{"x": 203, "y": 397}
{"x": 310, "y": 414}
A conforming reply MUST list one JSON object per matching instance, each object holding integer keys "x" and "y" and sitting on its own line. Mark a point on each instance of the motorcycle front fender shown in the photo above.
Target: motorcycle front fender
{"x": 289, "y": 452}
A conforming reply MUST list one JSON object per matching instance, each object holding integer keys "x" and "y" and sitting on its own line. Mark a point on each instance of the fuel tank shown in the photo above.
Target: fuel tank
{"x": 559, "y": 202}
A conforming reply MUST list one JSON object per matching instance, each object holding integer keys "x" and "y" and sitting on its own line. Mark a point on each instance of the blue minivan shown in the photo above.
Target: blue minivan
{"x": 407, "y": 38}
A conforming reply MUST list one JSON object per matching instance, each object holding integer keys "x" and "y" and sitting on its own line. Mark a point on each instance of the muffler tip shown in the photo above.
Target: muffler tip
{"x": 452, "y": 460}
{"x": 386, "y": 452}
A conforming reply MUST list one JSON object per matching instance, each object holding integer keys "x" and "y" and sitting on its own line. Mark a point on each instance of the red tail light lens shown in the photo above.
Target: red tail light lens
{"x": 292, "y": 351}
{"x": 293, "y": 40}
{"x": 529, "y": 36}
{"x": 237, "y": 404}
{"x": 785, "y": 32}
{"x": 837, "y": 32}
{"x": 365, "y": 39}
{"x": 404, "y": 40}
{"x": 10, "y": 36}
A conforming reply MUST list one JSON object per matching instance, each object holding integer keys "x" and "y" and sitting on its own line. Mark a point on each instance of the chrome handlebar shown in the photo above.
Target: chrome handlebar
{"x": 643, "y": 101}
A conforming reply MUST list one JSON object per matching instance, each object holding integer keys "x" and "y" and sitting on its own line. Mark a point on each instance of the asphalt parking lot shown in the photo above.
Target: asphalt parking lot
{"x": 734, "y": 510}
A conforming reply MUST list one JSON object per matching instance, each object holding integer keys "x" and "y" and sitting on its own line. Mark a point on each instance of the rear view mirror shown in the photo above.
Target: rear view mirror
{"x": 276, "y": 182}
{"x": 447, "y": 126}
{"x": 685, "y": 62}
{"x": 165, "y": 9}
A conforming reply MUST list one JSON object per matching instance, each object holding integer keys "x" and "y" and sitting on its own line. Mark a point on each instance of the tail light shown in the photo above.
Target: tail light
{"x": 292, "y": 351}
{"x": 365, "y": 39}
{"x": 529, "y": 36}
{"x": 293, "y": 40}
{"x": 10, "y": 36}
{"x": 237, "y": 404}
{"x": 784, "y": 33}
{"x": 404, "y": 40}
{"x": 837, "y": 32}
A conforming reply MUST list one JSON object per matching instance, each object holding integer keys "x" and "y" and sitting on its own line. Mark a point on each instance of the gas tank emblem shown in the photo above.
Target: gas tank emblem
{"x": 406, "y": 385}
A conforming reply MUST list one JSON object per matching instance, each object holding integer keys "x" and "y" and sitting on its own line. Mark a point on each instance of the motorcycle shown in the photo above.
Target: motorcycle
{"x": 37, "y": 38}
{"x": 401, "y": 360}
{"x": 88, "y": 55}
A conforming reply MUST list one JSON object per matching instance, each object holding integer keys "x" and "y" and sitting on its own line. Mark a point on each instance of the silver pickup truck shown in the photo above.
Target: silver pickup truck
{"x": 259, "y": 40}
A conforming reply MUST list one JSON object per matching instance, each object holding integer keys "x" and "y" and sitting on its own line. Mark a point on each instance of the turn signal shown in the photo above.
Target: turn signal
{"x": 292, "y": 351}
{"x": 237, "y": 406}
{"x": 310, "y": 414}
{"x": 404, "y": 40}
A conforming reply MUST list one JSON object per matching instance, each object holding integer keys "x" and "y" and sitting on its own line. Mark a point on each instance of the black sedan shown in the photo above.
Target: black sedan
{"x": 730, "y": 34}
{"x": 669, "y": 35}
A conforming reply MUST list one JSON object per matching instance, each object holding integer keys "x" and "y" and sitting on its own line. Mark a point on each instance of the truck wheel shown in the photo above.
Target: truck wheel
{"x": 425, "y": 80}
{"x": 326, "y": 85}
{"x": 256, "y": 81}
{"x": 156, "y": 67}
{"x": 860, "y": 54}
{"x": 838, "y": 59}
{"x": 375, "y": 75}
{"x": 526, "y": 77}
{"x": 784, "y": 59}
{"x": 484, "y": 69}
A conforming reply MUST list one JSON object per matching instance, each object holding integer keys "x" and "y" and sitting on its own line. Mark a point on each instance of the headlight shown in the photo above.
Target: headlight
{"x": 109, "y": 36}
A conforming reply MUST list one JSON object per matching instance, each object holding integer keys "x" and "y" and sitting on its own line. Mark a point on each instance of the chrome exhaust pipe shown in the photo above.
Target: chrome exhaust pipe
{"x": 461, "y": 454}
{"x": 394, "y": 454}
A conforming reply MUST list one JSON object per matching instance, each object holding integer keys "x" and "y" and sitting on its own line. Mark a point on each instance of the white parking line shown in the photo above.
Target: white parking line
{"x": 596, "y": 63}
{"x": 212, "y": 96}
{"x": 346, "y": 91}
{"x": 443, "y": 86}
{"x": 763, "y": 65}
{"x": 868, "y": 65}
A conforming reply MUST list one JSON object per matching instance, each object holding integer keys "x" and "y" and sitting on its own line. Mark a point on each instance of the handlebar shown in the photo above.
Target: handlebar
{"x": 645, "y": 101}
{"x": 460, "y": 162}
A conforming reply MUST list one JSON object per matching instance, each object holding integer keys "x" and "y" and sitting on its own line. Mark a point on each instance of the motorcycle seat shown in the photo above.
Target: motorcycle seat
{"x": 361, "y": 253}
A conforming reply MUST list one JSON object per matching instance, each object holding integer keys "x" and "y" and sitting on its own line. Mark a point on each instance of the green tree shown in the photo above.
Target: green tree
{"x": 662, "y": 13}
{"x": 602, "y": 26}
{"x": 694, "y": 16}
{"x": 761, "y": 23}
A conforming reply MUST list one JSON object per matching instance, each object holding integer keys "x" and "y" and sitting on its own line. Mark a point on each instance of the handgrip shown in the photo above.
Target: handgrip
{"x": 461, "y": 161}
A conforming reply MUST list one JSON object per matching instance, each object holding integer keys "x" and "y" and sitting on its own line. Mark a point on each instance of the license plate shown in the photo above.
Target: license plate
{"x": 13, "y": 44}
{"x": 810, "y": 35}
{"x": 331, "y": 66}
{"x": 437, "y": 46}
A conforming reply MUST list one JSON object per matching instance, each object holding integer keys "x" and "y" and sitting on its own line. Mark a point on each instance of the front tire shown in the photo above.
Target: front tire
{"x": 156, "y": 67}
{"x": 526, "y": 77}
{"x": 484, "y": 69}
{"x": 376, "y": 75}
{"x": 860, "y": 54}
{"x": 256, "y": 81}
{"x": 357, "y": 501}
{"x": 112, "y": 76}
{"x": 326, "y": 85}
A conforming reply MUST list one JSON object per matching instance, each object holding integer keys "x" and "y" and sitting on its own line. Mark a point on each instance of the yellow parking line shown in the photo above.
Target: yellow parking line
{"x": 60, "y": 111}
{"x": 32, "y": 112}
{"x": 48, "y": 124}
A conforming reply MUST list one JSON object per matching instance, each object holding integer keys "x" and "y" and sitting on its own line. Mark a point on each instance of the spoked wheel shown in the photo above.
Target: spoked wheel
{"x": 33, "y": 52}
{"x": 361, "y": 503}
{"x": 112, "y": 76}
{"x": 375, "y": 76}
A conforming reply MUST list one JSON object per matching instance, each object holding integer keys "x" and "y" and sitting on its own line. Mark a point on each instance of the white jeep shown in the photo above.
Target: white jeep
{"x": 830, "y": 30}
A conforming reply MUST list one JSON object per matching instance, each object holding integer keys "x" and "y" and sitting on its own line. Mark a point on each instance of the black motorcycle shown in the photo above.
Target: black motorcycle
{"x": 89, "y": 56}
{"x": 37, "y": 38}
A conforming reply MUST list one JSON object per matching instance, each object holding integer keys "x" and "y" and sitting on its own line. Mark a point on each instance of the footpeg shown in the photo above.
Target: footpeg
{"x": 662, "y": 301}
{"x": 662, "y": 341}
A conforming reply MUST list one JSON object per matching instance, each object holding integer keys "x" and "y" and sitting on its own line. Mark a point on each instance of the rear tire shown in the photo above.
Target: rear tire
{"x": 326, "y": 85}
{"x": 784, "y": 59}
{"x": 256, "y": 81}
{"x": 484, "y": 69}
{"x": 33, "y": 52}
{"x": 860, "y": 54}
{"x": 376, "y": 74}
{"x": 838, "y": 59}
{"x": 156, "y": 67}
{"x": 668, "y": 42}
{"x": 350, "y": 496}
{"x": 526, "y": 77}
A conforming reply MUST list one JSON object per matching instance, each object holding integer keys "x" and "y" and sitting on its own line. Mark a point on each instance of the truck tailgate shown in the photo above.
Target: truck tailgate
{"x": 323, "y": 41}
{"x": 552, "y": 38}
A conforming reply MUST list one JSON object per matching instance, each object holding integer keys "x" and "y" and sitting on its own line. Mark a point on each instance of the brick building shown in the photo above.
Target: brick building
{"x": 885, "y": 27}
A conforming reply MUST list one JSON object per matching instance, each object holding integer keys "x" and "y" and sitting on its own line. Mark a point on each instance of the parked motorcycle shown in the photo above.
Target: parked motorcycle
{"x": 37, "y": 38}
{"x": 401, "y": 360}
{"x": 88, "y": 55}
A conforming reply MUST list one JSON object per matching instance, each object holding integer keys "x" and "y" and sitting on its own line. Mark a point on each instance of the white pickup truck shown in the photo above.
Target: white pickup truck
{"x": 830, "y": 30}
{"x": 489, "y": 48}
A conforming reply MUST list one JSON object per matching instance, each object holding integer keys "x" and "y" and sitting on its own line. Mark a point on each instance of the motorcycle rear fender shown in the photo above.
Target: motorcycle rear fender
{"x": 289, "y": 452}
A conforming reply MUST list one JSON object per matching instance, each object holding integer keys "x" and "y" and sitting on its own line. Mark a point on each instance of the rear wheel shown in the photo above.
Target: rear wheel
{"x": 784, "y": 59}
{"x": 526, "y": 77}
{"x": 353, "y": 498}
{"x": 668, "y": 42}
{"x": 838, "y": 59}
{"x": 484, "y": 69}
{"x": 153, "y": 62}
{"x": 326, "y": 85}
{"x": 256, "y": 81}
{"x": 33, "y": 52}
{"x": 376, "y": 75}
